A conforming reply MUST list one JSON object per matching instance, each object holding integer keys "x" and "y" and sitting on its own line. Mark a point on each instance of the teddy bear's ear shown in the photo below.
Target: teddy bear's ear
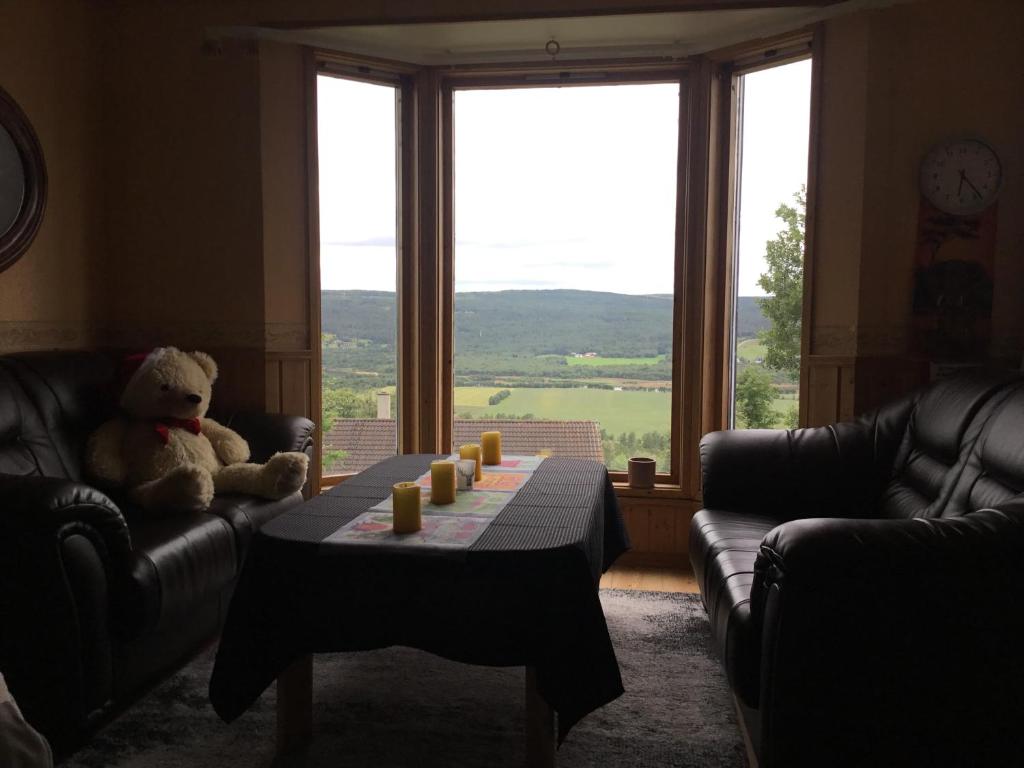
{"x": 206, "y": 363}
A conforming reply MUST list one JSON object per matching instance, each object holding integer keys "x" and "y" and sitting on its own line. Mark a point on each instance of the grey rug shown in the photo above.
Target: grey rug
{"x": 400, "y": 707}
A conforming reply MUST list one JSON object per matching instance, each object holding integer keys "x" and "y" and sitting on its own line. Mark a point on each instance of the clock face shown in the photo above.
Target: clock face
{"x": 961, "y": 177}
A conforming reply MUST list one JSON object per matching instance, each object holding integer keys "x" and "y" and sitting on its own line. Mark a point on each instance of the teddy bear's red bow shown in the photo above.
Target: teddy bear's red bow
{"x": 163, "y": 427}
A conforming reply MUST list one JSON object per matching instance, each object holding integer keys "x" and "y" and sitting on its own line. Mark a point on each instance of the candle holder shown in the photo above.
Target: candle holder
{"x": 465, "y": 470}
{"x": 472, "y": 451}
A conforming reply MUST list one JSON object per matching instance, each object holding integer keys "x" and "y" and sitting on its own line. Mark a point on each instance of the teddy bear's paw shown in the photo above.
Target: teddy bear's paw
{"x": 233, "y": 450}
{"x": 285, "y": 473}
{"x": 191, "y": 487}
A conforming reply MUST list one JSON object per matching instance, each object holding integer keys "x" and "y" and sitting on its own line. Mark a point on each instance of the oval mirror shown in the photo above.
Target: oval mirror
{"x": 22, "y": 182}
{"x": 12, "y": 182}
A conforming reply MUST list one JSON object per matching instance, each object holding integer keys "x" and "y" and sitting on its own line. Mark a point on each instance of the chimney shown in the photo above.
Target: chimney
{"x": 383, "y": 405}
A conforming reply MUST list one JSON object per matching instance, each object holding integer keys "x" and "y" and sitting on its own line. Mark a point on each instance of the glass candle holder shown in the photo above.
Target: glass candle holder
{"x": 472, "y": 451}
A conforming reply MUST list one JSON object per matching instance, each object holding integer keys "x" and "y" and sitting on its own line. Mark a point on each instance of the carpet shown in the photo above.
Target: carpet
{"x": 401, "y": 707}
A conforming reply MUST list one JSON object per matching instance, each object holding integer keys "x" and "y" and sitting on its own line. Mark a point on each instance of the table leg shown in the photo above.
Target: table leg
{"x": 540, "y": 726}
{"x": 295, "y": 705}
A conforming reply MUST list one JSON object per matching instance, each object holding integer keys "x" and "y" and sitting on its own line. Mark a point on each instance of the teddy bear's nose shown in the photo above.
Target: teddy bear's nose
{"x": 194, "y": 398}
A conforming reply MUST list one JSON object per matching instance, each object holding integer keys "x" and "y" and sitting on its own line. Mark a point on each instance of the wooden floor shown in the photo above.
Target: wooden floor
{"x": 650, "y": 578}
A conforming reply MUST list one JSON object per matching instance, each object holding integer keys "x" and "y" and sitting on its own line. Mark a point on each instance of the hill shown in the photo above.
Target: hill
{"x": 532, "y": 323}
{"x": 749, "y": 319}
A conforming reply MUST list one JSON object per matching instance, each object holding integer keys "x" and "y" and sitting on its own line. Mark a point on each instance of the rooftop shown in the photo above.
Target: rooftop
{"x": 367, "y": 441}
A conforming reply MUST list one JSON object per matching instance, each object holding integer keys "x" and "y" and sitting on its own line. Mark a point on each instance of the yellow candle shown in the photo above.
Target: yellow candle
{"x": 472, "y": 451}
{"x": 490, "y": 447}
{"x": 442, "y": 482}
{"x": 406, "y": 504}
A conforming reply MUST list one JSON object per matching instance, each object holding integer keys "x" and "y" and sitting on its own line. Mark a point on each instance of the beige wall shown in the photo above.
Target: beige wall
{"x": 939, "y": 70}
{"x": 49, "y": 64}
{"x": 897, "y": 81}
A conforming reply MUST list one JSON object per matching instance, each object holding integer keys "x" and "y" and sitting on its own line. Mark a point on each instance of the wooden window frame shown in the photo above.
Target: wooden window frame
{"x": 701, "y": 305}
{"x": 728, "y": 66}
{"x": 584, "y": 74}
{"x": 399, "y": 76}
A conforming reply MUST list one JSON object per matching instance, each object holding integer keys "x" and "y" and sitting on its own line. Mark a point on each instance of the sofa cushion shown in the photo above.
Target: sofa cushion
{"x": 723, "y": 548}
{"x": 176, "y": 562}
{"x": 995, "y": 468}
{"x": 940, "y": 435}
{"x": 247, "y": 514}
{"x": 25, "y": 446}
{"x": 70, "y": 393}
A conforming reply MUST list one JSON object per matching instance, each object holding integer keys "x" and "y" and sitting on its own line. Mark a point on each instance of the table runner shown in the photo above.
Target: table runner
{"x": 447, "y": 529}
{"x": 525, "y": 594}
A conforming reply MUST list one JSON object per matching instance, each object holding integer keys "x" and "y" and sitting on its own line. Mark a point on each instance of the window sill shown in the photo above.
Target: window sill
{"x": 659, "y": 491}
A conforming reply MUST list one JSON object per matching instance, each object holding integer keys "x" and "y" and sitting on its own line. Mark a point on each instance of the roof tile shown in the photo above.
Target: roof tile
{"x": 367, "y": 441}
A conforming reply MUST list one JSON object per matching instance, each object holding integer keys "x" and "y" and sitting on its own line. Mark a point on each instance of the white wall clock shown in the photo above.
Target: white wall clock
{"x": 961, "y": 176}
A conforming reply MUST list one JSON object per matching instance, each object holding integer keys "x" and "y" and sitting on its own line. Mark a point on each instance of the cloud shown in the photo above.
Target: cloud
{"x": 509, "y": 284}
{"x": 569, "y": 265}
{"x": 525, "y": 243}
{"x": 381, "y": 240}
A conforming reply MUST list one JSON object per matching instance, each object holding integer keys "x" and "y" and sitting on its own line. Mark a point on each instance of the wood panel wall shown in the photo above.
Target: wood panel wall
{"x": 289, "y": 382}
{"x": 830, "y": 389}
{"x": 659, "y": 529}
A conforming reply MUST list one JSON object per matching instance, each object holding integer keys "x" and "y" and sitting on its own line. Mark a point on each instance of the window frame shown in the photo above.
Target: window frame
{"x": 400, "y": 77}
{"x": 584, "y": 74}
{"x": 702, "y": 305}
{"x": 729, "y": 65}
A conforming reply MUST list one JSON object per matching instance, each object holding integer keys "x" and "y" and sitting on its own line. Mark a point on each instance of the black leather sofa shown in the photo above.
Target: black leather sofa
{"x": 99, "y": 601}
{"x": 865, "y": 580}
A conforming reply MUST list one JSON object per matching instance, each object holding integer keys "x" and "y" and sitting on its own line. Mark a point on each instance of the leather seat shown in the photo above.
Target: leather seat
{"x": 861, "y": 579}
{"x": 728, "y": 547}
{"x": 177, "y": 562}
{"x": 99, "y": 600}
{"x": 246, "y": 515}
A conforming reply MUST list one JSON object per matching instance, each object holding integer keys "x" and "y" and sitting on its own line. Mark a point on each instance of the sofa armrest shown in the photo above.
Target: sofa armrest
{"x": 892, "y": 637}
{"x": 41, "y": 505}
{"x": 269, "y": 433}
{"x": 63, "y": 548}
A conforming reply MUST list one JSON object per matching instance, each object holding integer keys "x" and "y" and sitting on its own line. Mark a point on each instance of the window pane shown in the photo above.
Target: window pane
{"x": 358, "y": 271}
{"x": 564, "y": 269}
{"x": 769, "y": 270}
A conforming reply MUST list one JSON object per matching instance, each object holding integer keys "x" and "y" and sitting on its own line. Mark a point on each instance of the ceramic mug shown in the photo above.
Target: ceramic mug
{"x": 641, "y": 472}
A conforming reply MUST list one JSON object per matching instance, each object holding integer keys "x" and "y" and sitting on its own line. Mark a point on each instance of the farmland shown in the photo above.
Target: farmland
{"x": 613, "y": 362}
{"x": 617, "y": 412}
{"x": 546, "y": 355}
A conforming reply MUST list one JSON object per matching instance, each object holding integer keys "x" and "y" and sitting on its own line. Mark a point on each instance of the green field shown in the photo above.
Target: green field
{"x": 750, "y": 350}
{"x": 474, "y": 397}
{"x": 617, "y": 412}
{"x": 607, "y": 362}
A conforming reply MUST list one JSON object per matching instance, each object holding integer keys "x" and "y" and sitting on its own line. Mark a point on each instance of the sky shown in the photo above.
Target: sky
{"x": 569, "y": 187}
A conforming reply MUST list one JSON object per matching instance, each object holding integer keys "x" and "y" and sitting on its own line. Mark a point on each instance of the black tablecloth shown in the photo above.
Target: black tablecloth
{"x": 524, "y": 593}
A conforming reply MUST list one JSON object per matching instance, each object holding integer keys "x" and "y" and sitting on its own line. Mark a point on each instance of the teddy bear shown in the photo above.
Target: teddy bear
{"x": 164, "y": 451}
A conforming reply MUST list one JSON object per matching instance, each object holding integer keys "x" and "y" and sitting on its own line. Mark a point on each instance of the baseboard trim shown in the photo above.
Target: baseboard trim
{"x": 639, "y": 559}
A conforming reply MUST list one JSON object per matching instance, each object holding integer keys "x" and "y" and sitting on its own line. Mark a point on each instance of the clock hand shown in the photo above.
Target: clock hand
{"x": 960, "y": 188}
{"x": 963, "y": 177}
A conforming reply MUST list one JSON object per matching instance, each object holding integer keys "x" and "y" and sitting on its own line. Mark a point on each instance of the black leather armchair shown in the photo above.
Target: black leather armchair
{"x": 864, "y": 580}
{"x": 97, "y": 600}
